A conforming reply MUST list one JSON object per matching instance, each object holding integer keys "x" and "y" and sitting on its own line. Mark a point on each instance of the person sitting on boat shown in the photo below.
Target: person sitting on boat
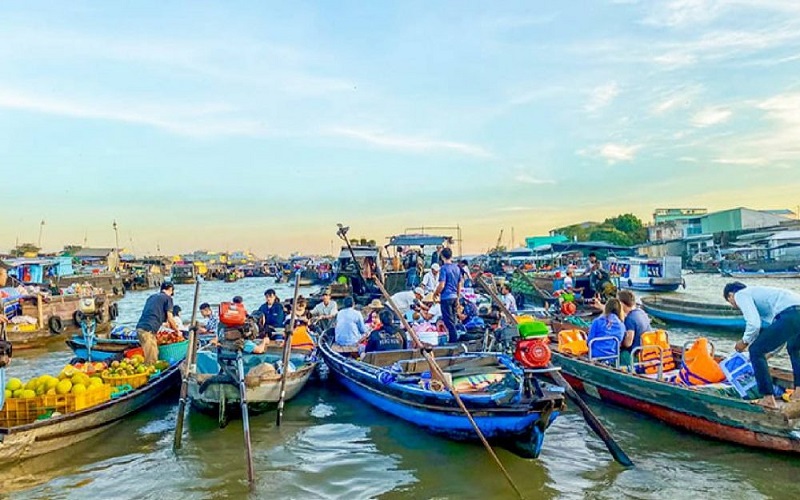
{"x": 324, "y": 313}
{"x": 300, "y": 313}
{"x": 410, "y": 263}
{"x": 301, "y": 338}
{"x": 780, "y": 310}
{"x": 608, "y": 325}
{"x": 405, "y": 299}
{"x": 157, "y": 310}
{"x": 176, "y": 315}
{"x": 592, "y": 264}
{"x": 636, "y": 323}
{"x": 431, "y": 279}
{"x": 466, "y": 277}
{"x": 372, "y": 311}
{"x": 508, "y": 298}
{"x": 273, "y": 312}
{"x": 434, "y": 312}
{"x": 386, "y": 338}
{"x": 212, "y": 322}
{"x": 350, "y": 327}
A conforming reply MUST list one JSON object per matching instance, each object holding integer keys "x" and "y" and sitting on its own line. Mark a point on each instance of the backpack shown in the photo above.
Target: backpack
{"x": 231, "y": 314}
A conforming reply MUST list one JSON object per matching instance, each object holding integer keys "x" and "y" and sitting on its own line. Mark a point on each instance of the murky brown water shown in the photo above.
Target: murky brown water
{"x": 332, "y": 445}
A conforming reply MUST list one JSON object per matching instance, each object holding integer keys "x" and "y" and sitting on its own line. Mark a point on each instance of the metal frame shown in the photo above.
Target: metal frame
{"x": 604, "y": 358}
{"x": 660, "y": 363}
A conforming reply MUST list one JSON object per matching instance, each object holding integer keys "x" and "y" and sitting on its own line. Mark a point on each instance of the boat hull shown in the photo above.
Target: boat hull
{"x": 519, "y": 427}
{"x": 25, "y": 441}
{"x": 694, "y": 313}
{"x": 707, "y": 414}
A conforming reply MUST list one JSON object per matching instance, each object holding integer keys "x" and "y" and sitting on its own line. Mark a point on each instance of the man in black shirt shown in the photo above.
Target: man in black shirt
{"x": 157, "y": 311}
{"x": 388, "y": 337}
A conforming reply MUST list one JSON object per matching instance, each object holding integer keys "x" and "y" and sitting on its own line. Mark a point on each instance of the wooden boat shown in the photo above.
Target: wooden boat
{"x": 182, "y": 274}
{"x": 207, "y": 391}
{"x": 705, "y": 411}
{"x": 694, "y": 313}
{"x": 54, "y": 315}
{"x": 43, "y": 436}
{"x": 761, "y": 274}
{"x": 101, "y": 349}
{"x": 395, "y": 382}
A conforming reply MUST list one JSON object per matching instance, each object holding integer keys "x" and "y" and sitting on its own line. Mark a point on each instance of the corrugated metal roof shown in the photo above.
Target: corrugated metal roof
{"x": 418, "y": 240}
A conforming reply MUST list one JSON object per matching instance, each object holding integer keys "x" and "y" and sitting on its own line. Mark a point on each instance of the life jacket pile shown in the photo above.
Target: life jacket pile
{"x": 698, "y": 367}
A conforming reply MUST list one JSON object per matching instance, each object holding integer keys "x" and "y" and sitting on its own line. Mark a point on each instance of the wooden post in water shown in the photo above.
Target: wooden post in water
{"x": 287, "y": 349}
{"x": 188, "y": 367}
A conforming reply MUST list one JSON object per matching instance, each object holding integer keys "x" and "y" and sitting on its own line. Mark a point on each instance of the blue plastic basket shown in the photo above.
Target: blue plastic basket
{"x": 172, "y": 353}
{"x": 739, "y": 372}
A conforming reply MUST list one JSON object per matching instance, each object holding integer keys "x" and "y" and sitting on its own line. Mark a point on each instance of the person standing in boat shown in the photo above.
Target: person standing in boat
{"x": 431, "y": 279}
{"x": 508, "y": 298}
{"x": 780, "y": 310}
{"x": 593, "y": 264}
{"x": 636, "y": 323}
{"x": 448, "y": 291}
{"x": 157, "y": 311}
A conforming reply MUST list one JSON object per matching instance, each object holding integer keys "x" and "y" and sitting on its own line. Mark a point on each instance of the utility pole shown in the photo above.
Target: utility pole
{"x": 41, "y": 228}
{"x": 116, "y": 243}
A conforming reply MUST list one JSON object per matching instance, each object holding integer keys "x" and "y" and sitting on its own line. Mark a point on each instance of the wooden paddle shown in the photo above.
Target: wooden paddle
{"x": 590, "y": 418}
{"x": 287, "y": 348}
{"x": 436, "y": 370}
{"x": 191, "y": 356}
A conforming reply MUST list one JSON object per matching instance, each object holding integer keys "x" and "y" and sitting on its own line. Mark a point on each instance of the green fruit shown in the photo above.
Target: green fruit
{"x": 8, "y": 394}
{"x": 32, "y": 383}
{"x": 17, "y": 393}
{"x": 78, "y": 389}
{"x": 51, "y": 392}
{"x": 28, "y": 394}
{"x": 13, "y": 384}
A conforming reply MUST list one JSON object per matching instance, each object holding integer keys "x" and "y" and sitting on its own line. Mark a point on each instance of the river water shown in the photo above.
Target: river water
{"x": 332, "y": 445}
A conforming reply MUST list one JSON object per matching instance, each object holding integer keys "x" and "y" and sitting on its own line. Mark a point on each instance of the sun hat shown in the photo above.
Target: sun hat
{"x": 435, "y": 266}
{"x": 375, "y": 304}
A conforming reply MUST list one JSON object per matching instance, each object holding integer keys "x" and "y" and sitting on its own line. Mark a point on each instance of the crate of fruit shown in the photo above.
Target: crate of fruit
{"x": 71, "y": 402}
{"x": 19, "y": 411}
{"x": 131, "y": 372}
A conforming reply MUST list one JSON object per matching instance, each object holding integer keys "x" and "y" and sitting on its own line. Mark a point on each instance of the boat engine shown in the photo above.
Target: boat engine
{"x": 533, "y": 352}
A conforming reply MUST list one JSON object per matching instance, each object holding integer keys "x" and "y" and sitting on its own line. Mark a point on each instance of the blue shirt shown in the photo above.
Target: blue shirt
{"x": 350, "y": 327}
{"x": 450, "y": 274}
{"x": 761, "y": 304}
{"x": 606, "y": 326}
{"x": 154, "y": 313}
{"x": 274, "y": 315}
{"x": 639, "y": 322}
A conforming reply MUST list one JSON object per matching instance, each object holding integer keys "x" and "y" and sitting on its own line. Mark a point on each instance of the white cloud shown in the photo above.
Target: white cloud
{"x": 200, "y": 119}
{"x": 740, "y": 161}
{"x": 617, "y": 152}
{"x": 527, "y": 178}
{"x": 685, "y": 13}
{"x": 602, "y": 96}
{"x": 673, "y": 60}
{"x": 711, "y": 116}
{"x": 687, "y": 159}
{"x": 407, "y": 143}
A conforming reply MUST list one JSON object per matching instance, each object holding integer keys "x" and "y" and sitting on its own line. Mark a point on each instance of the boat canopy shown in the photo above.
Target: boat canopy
{"x": 418, "y": 240}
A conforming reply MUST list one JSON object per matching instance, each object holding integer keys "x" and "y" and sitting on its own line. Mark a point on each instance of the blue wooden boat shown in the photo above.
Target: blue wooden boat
{"x": 693, "y": 313}
{"x": 514, "y": 414}
{"x": 102, "y": 349}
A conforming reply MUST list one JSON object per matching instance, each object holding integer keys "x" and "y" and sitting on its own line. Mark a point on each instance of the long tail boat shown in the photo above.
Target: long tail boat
{"x": 209, "y": 388}
{"x": 43, "y": 436}
{"x": 704, "y": 410}
{"x": 514, "y": 416}
{"x": 693, "y": 313}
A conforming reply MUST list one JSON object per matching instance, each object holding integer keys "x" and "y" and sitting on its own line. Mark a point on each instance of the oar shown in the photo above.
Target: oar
{"x": 590, "y": 418}
{"x": 191, "y": 356}
{"x": 6, "y": 351}
{"x": 435, "y": 368}
{"x": 248, "y": 447}
{"x": 287, "y": 348}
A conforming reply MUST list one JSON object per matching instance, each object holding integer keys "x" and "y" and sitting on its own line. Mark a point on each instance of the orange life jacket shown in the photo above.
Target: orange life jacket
{"x": 651, "y": 357}
{"x": 301, "y": 339}
{"x": 698, "y": 366}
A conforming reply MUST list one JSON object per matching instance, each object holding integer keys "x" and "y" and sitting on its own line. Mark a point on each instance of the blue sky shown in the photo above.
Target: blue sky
{"x": 259, "y": 125}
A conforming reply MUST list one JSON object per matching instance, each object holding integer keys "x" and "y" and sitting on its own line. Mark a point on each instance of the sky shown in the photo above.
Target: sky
{"x": 260, "y": 125}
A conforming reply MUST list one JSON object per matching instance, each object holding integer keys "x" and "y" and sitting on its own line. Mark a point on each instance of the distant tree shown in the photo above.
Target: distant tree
{"x": 630, "y": 225}
{"x": 610, "y": 234}
{"x": 362, "y": 242}
{"x": 498, "y": 249}
{"x": 576, "y": 232}
{"x": 71, "y": 249}
{"x": 21, "y": 250}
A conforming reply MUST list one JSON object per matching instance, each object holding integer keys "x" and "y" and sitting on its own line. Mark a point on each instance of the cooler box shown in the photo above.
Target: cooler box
{"x": 534, "y": 328}
{"x": 739, "y": 372}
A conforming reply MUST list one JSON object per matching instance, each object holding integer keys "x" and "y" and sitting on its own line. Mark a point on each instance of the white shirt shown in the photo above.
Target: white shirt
{"x": 322, "y": 310}
{"x": 568, "y": 283}
{"x": 403, "y": 300}
{"x": 436, "y": 311}
{"x": 510, "y": 302}
{"x": 430, "y": 282}
{"x": 761, "y": 304}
